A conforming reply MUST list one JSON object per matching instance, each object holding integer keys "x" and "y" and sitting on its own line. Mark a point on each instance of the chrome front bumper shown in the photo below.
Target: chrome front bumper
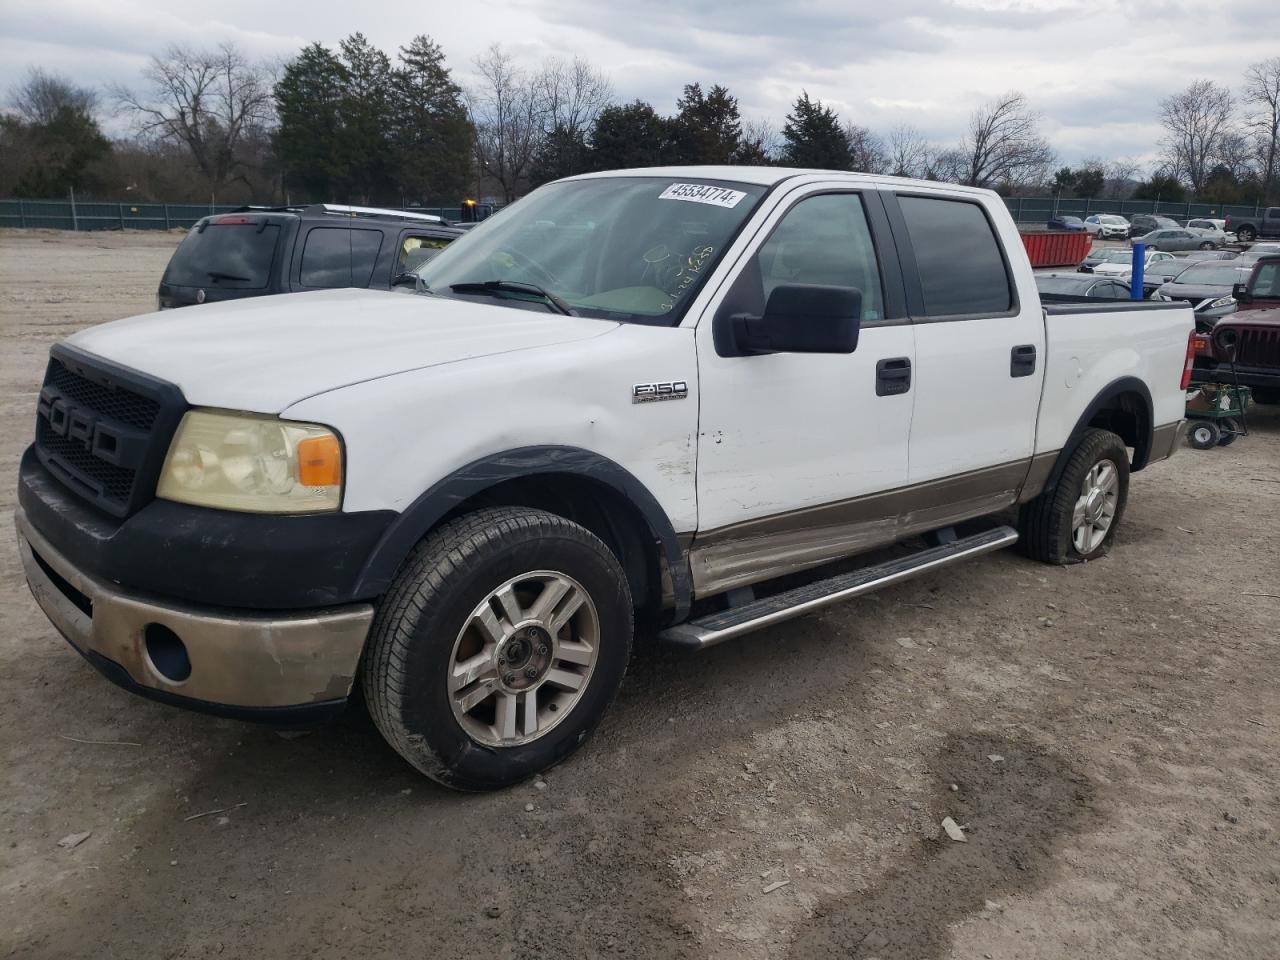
{"x": 241, "y": 661}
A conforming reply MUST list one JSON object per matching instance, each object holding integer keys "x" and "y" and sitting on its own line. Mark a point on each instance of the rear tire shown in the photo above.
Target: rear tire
{"x": 1076, "y": 520}
{"x": 1204, "y": 435}
{"x": 1246, "y": 234}
{"x": 1207, "y": 245}
{"x": 468, "y": 636}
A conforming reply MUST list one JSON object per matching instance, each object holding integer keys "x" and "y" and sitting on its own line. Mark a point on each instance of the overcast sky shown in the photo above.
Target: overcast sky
{"x": 1096, "y": 69}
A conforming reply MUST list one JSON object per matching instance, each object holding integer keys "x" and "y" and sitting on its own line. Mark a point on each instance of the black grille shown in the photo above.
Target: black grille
{"x": 103, "y": 430}
{"x": 1258, "y": 347}
{"x": 118, "y": 404}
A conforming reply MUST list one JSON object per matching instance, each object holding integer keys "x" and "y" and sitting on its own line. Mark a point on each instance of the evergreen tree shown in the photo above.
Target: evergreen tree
{"x": 309, "y": 103}
{"x": 814, "y": 137}
{"x": 629, "y": 136}
{"x": 431, "y": 131}
{"x": 562, "y": 153}
{"x": 364, "y": 150}
{"x": 707, "y": 128}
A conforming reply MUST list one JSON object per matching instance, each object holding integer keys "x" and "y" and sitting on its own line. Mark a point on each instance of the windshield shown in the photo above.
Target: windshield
{"x": 1112, "y": 218}
{"x": 1062, "y": 285}
{"x": 1117, "y": 256}
{"x": 623, "y": 248}
{"x": 234, "y": 255}
{"x": 1211, "y": 274}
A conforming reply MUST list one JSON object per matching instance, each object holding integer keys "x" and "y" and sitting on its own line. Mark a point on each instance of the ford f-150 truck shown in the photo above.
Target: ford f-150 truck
{"x": 1249, "y": 229}
{"x": 630, "y": 401}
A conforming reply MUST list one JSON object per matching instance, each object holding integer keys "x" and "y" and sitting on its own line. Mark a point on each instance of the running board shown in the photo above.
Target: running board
{"x": 717, "y": 627}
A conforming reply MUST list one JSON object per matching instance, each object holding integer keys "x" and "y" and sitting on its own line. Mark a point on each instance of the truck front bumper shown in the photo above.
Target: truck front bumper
{"x": 290, "y": 667}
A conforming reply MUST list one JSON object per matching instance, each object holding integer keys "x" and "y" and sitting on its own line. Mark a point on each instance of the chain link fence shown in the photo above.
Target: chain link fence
{"x": 1038, "y": 210}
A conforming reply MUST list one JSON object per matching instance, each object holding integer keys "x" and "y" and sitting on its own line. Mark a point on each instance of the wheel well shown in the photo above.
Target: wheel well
{"x": 596, "y": 506}
{"x": 1126, "y": 415}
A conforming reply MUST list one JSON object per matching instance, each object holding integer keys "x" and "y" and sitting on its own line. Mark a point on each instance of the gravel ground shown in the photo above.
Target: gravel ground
{"x": 1107, "y": 733}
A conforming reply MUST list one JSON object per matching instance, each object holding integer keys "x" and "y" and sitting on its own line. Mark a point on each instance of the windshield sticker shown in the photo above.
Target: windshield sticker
{"x": 701, "y": 193}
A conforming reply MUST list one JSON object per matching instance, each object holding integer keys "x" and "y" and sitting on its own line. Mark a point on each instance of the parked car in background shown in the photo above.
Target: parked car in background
{"x": 1212, "y": 227}
{"x": 1198, "y": 255}
{"x": 1108, "y": 226}
{"x": 259, "y": 251}
{"x": 1143, "y": 223}
{"x": 1180, "y": 239}
{"x": 1248, "y": 229}
{"x": 1101, "y": 255}
{"x": 1080, "y": 286}
{"x": 1258, "y": 251}
{"x": 1122, "y": 264}
{"x": 1066, "y": 223}
{"x": 1262, "y": 290}
{"x": 1208, "y": 287}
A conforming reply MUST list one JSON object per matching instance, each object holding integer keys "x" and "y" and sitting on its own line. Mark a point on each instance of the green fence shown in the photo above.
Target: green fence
{"x": 1038, "y": 210}
{"x": 114, "y": 215}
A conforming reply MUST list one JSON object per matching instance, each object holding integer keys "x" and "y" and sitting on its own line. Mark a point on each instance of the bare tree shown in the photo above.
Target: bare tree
{"x": 209, "y": 101}
{"x": 40, "y": 97}
{"x": 1003, "y": 145}
{"x": 573, "y": 93}
{"x": 1262, "y": 93}
{"x": 1120, "y": 177}
{"x": 508, "y": 115}
{"x": 867, "y": 150}
{"x": 763, "y": 137}
{"x": 1196, "y": 121}
{"x": 909, "y": 153}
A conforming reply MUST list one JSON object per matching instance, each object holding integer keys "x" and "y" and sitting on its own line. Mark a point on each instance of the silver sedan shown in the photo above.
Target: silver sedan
{"x": 1181, "y": 239}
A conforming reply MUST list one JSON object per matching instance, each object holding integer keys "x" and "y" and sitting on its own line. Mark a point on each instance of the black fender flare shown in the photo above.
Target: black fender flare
{"x": 1142, "y": 449}
{"x": 417, "y": 520}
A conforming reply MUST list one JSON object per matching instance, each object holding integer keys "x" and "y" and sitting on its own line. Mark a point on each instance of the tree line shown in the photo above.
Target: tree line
{"x": 353, "y": 123}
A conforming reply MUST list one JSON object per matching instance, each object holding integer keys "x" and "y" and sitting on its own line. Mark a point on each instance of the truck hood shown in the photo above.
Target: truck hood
{"x": 265, "y": 353}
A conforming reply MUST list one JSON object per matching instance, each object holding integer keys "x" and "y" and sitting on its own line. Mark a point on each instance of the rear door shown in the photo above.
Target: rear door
{"x": 328, "y": 256}
{"x": 979, "y": 349}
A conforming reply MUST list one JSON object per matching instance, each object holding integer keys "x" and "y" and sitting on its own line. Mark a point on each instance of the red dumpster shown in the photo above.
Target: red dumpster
{"x": 1056, "y": 248}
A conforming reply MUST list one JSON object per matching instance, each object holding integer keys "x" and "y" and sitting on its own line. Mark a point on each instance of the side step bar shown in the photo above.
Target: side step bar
{"x": 717, "y": 627}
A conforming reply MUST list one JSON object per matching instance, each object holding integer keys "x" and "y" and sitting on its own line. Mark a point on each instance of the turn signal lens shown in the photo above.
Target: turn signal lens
{"x": 320, "y": 461}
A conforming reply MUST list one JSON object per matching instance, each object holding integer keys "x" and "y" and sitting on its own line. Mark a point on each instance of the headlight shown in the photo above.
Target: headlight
{"x": 242, "y": 461}
{"x": 1220, "y": 302}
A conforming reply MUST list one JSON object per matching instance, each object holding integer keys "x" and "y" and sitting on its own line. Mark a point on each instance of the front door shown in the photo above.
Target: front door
{"x": 793, "y": 446}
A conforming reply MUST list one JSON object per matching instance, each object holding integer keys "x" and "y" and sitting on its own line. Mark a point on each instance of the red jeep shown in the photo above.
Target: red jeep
{"x": 1249, "y": 338}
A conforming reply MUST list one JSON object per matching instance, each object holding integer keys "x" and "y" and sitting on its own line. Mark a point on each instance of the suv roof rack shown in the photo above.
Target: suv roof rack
{"x": 344, "y": 209}
{"x": 263, "y": 208}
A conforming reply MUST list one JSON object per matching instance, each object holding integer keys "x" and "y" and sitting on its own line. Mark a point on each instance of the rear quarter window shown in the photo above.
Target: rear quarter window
{"x": 238, "y": 256}
{"x": 961, "y": 266}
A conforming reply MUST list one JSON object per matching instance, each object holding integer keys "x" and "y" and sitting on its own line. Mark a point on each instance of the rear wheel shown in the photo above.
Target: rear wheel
{"x": 1246, "y": 234}
{"x": 1207, "y": 245}
{"x": 499, "y": 647}
{"x": 1076, "y": 520}
{"x": 1204, "y": 435}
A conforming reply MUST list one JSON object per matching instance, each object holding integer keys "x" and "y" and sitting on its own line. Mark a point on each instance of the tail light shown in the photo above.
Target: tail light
{"x": 1226, "y": 224}
{"x": 239, "y": 221}
{"x": 1197, "y": 343}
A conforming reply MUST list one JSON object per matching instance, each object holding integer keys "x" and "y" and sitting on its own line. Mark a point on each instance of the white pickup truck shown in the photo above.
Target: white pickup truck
{"x": 627, "y": 402}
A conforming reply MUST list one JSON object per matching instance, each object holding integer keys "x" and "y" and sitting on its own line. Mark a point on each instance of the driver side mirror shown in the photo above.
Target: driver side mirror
{"x": 801, "y": 318}
{"x": 1241, "y": 292}
{"x": 409, "y": 281}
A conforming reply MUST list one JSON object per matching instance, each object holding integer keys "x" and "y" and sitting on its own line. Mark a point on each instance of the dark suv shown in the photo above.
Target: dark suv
{"x": 257, "y": 251}
{"x": 1140, "y": 224}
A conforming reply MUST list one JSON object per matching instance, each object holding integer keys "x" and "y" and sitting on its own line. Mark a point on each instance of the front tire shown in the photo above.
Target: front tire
{"x": 499, "y": 647}
{"x": 1076, "y": 520}
{"x": 1207, "y": 245}
{"x": 1204, "y": 435}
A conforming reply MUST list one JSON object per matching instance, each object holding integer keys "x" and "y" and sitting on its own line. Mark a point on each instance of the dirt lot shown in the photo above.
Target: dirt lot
{"x": 1107, "y": 732}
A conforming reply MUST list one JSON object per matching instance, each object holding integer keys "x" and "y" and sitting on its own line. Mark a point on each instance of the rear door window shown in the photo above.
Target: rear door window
{"x": 234, "y": 255}
{"x": 339, "y": 257}
{"x": 961, "y": 266}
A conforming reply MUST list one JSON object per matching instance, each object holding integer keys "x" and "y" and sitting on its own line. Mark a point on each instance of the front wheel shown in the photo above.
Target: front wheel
{"x": 1207, "y": 245}
{"x": 1076, "y": 519}
{"x": 499, "y": 646}
{"x": 1204, "y": 435}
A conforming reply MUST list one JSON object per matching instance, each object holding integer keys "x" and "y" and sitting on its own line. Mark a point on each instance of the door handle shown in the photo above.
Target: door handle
{"x": 893, "y": 376}
{"x": 1022, "y": 361}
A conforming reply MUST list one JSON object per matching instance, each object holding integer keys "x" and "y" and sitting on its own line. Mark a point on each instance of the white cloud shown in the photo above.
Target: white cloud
{"x": 1096, "y": 69}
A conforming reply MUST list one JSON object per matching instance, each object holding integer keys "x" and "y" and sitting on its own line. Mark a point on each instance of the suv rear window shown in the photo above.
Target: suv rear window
{"x": 236, "y": 255}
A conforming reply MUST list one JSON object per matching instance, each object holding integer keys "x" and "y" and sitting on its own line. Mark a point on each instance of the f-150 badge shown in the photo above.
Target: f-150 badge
{"x": 663, "y": 390}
